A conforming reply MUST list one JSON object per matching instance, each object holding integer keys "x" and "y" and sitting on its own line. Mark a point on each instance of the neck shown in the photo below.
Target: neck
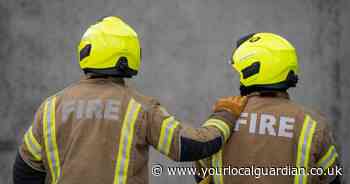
{"x": 283, "y": 94}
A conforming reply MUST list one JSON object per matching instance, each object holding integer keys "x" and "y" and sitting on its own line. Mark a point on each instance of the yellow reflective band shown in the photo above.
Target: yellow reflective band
{"x": 162, "y": 139}
{"x": 331, "y": 161}
{"x": 202, "y": 163}
{"x": 301, "y": 141}
{"x": 328, "y": 159}
{"x": 51, "y": 148}
{"x": 217, "y": 164}
{"x": 125, "y": 142}
{"x": 32, "y": 144}
{"x": 221, "y": 125}
{"x": 304, "y": 147}
{"x": 309, "y": 141}
{"x": 166, "y": 135}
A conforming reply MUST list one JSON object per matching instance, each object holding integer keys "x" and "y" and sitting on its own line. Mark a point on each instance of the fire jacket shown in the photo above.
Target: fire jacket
{"x": 274, "y": 137}
{"x": 99, "y": 131}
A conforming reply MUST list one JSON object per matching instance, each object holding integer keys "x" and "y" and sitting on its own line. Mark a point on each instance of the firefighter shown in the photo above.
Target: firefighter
{"x": 273, "y": 132}
{"x": 99, "y": 130}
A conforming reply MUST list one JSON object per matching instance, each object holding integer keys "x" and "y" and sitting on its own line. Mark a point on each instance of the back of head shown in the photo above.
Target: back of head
{"x": 110, "y": 48}
{"x": 265, "y": 62}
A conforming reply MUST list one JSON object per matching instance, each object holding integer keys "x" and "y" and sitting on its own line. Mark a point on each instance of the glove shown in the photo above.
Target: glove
{"x": 231, "y": 104}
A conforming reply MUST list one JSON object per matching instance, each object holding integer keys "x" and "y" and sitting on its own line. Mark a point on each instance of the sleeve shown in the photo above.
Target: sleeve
{"x": 182, "y": 142}
{"x": 327, "y": 156}
{"x": 24, "y": 174}
{"x": 31, "y": 148}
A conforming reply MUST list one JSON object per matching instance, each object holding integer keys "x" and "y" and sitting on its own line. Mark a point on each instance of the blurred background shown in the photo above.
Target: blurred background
{"x": 186, "y": 47}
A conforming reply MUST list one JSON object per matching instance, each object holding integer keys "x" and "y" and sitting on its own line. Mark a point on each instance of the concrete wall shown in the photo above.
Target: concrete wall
{"x": 186, "y": 45}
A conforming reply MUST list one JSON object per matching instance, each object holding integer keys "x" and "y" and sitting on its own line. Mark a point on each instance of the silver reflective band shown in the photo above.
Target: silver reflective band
{"x": 125, "y": 143}
{"x": 304, "y": 147}
{"x": 51, "y": 148}
{"x": 329, "y": 158}
{"x": 166, "y": 135}
{"x": 32, "y": 144}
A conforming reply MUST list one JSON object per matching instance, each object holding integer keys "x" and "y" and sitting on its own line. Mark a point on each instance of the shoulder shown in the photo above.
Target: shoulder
{"x": 58, "y": 95}
{"x": 145, "y": 101}
{"x": 314, "y": 114}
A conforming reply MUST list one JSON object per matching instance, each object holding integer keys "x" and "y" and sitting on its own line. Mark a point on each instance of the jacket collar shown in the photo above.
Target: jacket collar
{"x": 274, "y": 94}
{"x": 94, "y": 79}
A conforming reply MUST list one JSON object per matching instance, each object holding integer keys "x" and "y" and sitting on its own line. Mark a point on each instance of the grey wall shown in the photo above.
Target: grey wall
{"x": 186, "y": 45}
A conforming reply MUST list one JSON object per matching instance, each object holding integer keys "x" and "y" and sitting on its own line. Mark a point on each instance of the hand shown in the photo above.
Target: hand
{"x": 232, "y": 104}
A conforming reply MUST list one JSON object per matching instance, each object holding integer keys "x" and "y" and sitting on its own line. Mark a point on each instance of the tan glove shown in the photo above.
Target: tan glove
{"x": 232, "y": 104}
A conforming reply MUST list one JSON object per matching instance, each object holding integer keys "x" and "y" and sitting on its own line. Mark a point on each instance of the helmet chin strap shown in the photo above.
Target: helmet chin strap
{"x": 121, "y": 70}
{"x": 251, "y": 89}
{"x": 283, "y": 86}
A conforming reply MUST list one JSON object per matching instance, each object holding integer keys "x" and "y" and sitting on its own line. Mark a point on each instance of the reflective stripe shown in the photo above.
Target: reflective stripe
{"x": 328, "y": 159}
{"x": 202, "y": 163}
{"x": 166, "y": 135}
{"x": 32, "y": 144}
{"x": 304, "y": 147}
{"x": 216, "y": 162}
{"x": 221, "y": 125}
{"x": 125, "y": 143}
{"x": 51, "y": 148}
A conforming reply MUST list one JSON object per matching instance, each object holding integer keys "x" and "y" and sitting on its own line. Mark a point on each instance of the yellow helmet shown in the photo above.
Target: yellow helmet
{"x": 110, "y": 47}
{"x": 265, "y": 62}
